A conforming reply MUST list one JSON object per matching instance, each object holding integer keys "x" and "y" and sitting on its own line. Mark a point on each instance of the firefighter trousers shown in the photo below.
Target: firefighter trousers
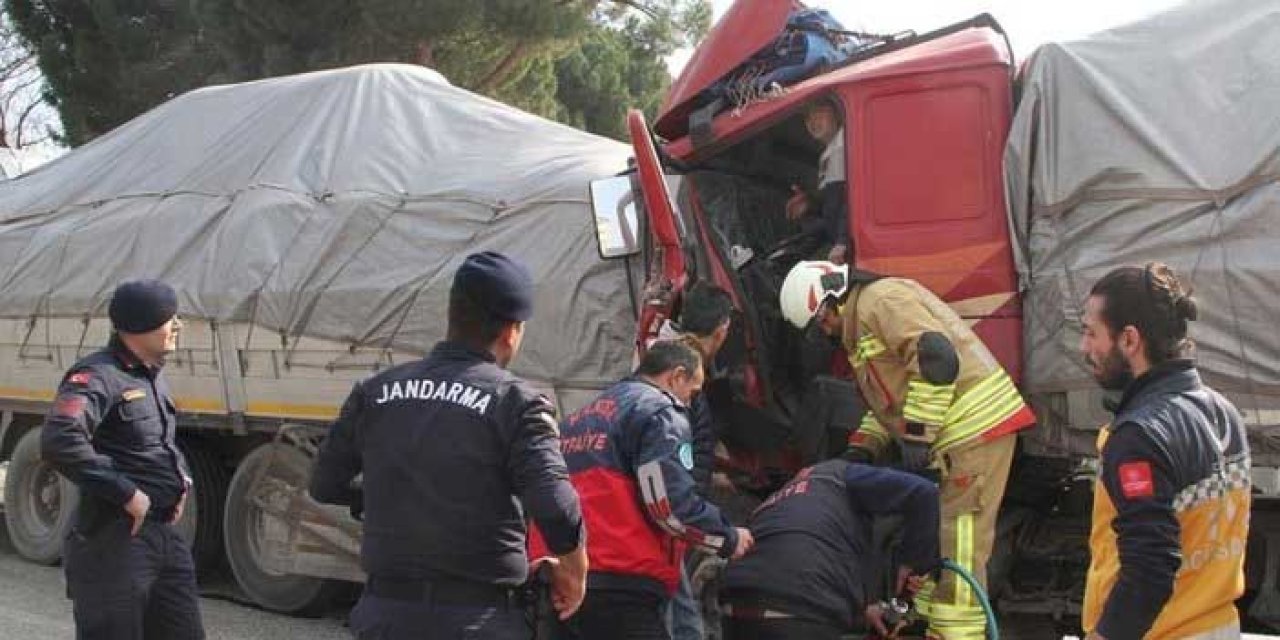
{"x": 972, "y": 487}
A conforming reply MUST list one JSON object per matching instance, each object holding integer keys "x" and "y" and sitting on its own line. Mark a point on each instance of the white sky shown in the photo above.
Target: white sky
{"x": 1029, "y": 23}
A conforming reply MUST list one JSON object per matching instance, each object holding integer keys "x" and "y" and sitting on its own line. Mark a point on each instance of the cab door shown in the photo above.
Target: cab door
{"x": 667, "y": 271}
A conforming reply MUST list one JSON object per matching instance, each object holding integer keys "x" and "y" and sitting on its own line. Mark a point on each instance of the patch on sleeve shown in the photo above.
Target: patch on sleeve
{"x": 133, "y": 394}
{"x": 685, "y": 452}
{"x": 80, "y": 377}
{"x": 1136, "y": 480}
{"x": 69, "y": 406}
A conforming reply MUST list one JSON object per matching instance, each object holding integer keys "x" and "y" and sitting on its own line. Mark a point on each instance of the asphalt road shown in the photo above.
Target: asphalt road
{"x": 33, "y": 604}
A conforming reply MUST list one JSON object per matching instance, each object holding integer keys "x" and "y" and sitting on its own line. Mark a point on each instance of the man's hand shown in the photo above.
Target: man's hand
{"x": 1094, "y": 636}
{"x": 797, "y": 205}
{"x": 182, "y": 503}
{"x": 838, "y": 253}
{"x": 908, "y": 584}
{"x": 137, "y": 508}
{"x": 874, "y": 615}
{"x": 568, "y": 581}
{"x": 745, "y": 542}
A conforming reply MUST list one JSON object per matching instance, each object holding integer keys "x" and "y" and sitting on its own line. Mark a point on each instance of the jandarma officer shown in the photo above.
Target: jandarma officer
{"x": 111, "y": 432}
{"x": 455, "y": 453}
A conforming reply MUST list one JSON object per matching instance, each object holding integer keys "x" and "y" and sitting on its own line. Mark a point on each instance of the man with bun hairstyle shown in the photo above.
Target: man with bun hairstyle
{"x": 112, "y": 432}
{"x": 1171, "y": 505}
{"x": 456, "y": 452}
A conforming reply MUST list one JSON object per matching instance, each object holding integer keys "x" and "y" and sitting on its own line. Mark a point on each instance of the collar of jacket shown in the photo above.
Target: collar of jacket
{"x": 639, "y": 379}
{"x": 126, "y": 358}
{"x": 455, "y": 350}
{"x": 1169, "y": 377}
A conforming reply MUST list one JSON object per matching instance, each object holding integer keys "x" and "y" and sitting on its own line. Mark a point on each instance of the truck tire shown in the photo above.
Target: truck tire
{"x": 201, "y": 521}
{"x": 243, "y": 524}
{"x": 39, "y": 504}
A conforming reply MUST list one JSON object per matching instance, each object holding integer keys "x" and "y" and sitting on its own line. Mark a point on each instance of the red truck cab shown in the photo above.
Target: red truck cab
{"x": 924, "y": 125}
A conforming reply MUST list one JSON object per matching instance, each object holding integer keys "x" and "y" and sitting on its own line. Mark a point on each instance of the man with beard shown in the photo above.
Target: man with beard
{"x": 1171, "y": 508}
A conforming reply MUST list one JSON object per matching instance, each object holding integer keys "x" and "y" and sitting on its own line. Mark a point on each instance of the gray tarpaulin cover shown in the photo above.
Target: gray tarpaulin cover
{"x": 334, "y": 204}
{"x": 1159, "y": 140}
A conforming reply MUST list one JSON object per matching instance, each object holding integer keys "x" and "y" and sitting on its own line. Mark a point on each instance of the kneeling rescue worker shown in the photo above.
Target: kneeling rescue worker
{"x": 815, "y": 572}
{"x": 455, "y": 453}
{"x": 629, "y": 453}
{"x": 931, "y": 386}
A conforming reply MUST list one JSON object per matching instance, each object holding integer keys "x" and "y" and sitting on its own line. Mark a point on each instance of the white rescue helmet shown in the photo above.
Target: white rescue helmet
{"x": 810, "y": 283}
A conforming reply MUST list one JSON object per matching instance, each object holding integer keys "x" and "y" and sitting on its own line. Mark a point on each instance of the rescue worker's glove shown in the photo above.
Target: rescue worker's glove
{"x": 913, "y": 456}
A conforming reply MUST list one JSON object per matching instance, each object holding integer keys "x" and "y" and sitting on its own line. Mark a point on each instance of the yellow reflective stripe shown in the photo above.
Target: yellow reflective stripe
{"x": 987, "y": 404}
{"x": 928, "y": 403}
{"x": 964, "y": 558}
{"x": 869, "y": 346}
{"x": 872, "y": 429}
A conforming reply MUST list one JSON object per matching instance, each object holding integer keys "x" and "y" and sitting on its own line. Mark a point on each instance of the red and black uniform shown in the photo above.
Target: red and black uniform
{"x": 629, "y": 455}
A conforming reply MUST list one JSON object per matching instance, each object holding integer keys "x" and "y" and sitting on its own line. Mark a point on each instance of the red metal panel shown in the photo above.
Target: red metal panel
{"x": 747, "y": 27}
{"x": 967, "y": 49}
{"x": 657, "y": 201}
{"x": 926, "y": 187}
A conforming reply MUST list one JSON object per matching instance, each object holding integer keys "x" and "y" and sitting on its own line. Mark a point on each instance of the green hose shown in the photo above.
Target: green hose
{"x": 993, "y": 633}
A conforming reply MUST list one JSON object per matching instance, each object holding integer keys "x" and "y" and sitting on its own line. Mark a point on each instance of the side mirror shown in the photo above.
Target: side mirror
{"x": 617, "y": 223}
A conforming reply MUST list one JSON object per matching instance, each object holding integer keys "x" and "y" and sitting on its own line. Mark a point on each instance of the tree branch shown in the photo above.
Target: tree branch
{"x": 502, "y": 71}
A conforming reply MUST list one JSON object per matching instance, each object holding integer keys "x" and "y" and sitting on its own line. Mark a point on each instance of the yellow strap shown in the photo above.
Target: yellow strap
{"x": 987, "y": 404}
{"x": 873, "y": 430}
{"x": 869, "y": 346}
{"x": 964, "y": 558}
{"x": 927, "y": 403}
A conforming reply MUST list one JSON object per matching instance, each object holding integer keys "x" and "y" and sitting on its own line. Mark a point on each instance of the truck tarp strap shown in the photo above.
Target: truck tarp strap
{"x": 700, "y": 122}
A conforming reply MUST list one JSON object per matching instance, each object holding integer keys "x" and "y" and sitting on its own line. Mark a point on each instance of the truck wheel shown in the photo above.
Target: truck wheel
{"x": 246, "y": 527}
{"x": 201, "y": 522}
{"x": 39, "y": 504}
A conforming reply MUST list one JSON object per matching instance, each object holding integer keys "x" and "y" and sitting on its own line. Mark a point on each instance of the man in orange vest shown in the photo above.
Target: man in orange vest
{"x": 1171, "y": 505}
{"x": 931, "y": 386}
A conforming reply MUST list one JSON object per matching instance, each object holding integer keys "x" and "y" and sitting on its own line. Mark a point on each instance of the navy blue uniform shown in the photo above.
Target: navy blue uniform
{"x": 112, "y": 432}
{"x": 455, "y": 453}
{"x": 814, "y": 563}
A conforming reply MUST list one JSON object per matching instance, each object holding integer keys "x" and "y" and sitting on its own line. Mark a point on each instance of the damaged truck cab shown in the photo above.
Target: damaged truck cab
{"x": 925, "y": 120}
{"x": 923, "y": 124}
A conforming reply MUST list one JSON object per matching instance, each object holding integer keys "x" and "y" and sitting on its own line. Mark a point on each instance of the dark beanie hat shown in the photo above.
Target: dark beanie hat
{"x": 499, "y": 284}
{"x": 142, "y": 305}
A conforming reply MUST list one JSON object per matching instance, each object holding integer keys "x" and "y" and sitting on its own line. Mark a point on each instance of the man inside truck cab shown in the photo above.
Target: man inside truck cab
{"x": 933, "y": 389}
{"x": 827, "y": 214}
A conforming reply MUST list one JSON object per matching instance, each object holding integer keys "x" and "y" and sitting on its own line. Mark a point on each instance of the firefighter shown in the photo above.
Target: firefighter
{"x": 816, "y": 572}
{"x": 629, "y": 454}
{"x": 934, "y": 390}
{"x": 1171, "y": 508}
{"x": 112, "y": 433}
{"x": 455, "y": 453}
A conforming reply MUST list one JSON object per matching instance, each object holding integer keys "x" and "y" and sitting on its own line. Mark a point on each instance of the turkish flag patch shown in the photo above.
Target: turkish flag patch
{"x": 1136, "y": 480}
{"x": 69, "y": 406}
{"x": 79, "y": 378}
